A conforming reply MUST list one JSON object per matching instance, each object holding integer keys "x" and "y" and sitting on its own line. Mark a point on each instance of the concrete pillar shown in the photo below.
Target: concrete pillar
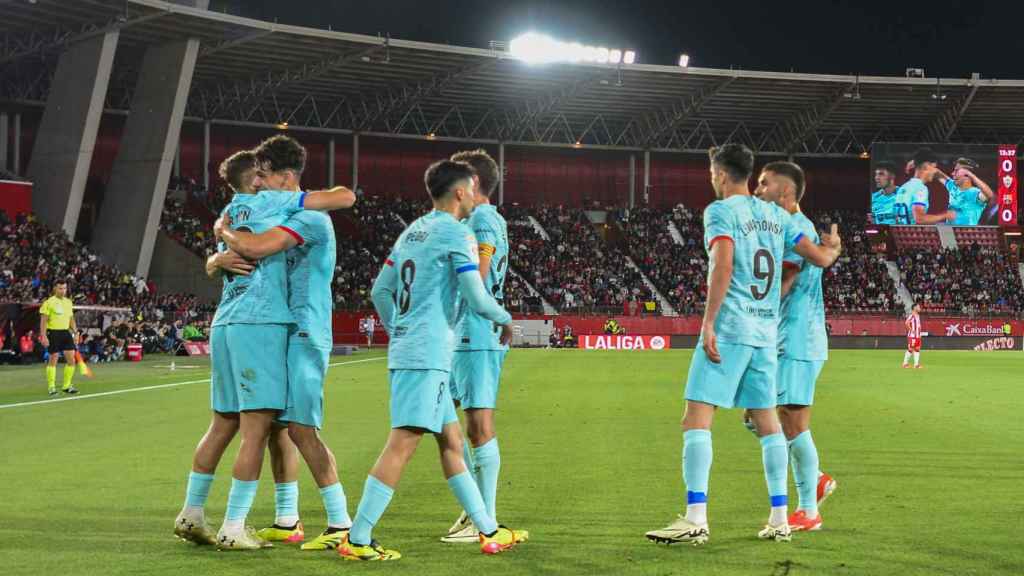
{"x": 206, "y": 155}
{"x": 647, "y": 176}
{"x": 67, "y": 133}
{"x": 355, "y": 162}
{"x": 130, "y": 215}
{"x": 330, "y": 163}
{"x": 501, "y": 174}
{"x": 16, "y": 152}
{"x": 177, "y": 159}
{"x": 3, "y": 140}
{"x": 632, "y": 180}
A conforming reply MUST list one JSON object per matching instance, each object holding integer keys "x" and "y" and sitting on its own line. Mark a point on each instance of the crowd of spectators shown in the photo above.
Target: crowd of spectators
{"x": 32, "y": 257}
{"x": 972, "y": 280}
{"x": 188, "y": 229}
{"x": 859, "y": 282}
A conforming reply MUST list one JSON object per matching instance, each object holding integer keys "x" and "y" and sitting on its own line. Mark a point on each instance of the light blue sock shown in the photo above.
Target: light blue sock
{"x": 240, "y": 498}
{"x": 467, "y": 493}
{"x": 376, "y": 497}
{"x": 286, "y": 504}
{"x": 775, "y": 456}
{"x": 697, "y": 457}
{"x": 336, "y": 506}
{"x": 198, "y": 489}
{"x": 803, "y": 456}
{"x": 488, "y": 464}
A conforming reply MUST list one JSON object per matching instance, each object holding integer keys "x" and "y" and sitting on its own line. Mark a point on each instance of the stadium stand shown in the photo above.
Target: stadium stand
{"x": 859, "y": 281}
{"x": 972, "y": 280}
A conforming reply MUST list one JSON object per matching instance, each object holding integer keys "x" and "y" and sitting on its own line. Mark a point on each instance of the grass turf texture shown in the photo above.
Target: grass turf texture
{"x": 928, "y": 464}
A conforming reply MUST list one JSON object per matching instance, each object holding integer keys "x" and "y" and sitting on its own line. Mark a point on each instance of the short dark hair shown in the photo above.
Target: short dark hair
{"x": 231, "y": 169}
{"x": 485, "y": 166}
{"x": 282, "y": 152}
{"x": 888, "y": 166}
{"x": 792, "y": 171}
{"x": 443, "y": 174}
{"x": 736, "y": 159}
{"x": 916, "y": 303}
{"x": 924, "y": 155}
{"x": 968, "y": 162}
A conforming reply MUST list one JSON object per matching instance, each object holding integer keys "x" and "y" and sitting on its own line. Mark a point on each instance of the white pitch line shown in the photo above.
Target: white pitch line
{"x": 157, "y": 387}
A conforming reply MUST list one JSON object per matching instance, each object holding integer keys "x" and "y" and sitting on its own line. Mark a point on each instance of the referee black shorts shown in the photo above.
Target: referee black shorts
{"x": 60, "y": 341}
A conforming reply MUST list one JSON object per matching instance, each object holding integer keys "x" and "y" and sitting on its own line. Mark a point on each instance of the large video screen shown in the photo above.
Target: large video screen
{"x": 955, "y": 184}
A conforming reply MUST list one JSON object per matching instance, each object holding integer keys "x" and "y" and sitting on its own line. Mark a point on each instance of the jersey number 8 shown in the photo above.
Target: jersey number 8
{"x": 407, "y": 275}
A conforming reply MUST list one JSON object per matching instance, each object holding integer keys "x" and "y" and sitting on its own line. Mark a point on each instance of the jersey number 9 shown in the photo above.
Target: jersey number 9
{"x": 764, "y": 269}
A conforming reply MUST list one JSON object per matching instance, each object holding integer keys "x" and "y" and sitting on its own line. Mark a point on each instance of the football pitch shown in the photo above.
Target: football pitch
{"x": 929, "y": 465}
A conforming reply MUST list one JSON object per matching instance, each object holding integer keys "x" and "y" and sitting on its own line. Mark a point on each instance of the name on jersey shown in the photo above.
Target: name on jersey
{"x": 417, "y": 236}
{"x": 235, "y": 292}
{"x": 763, "y": 313}
{"x": 754, "y": 225}
{"x": 241, "y": 215}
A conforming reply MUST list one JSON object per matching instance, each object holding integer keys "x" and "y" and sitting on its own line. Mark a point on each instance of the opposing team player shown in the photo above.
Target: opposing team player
{"x": 912, "y": 198}
{"x": 884, "y": 198}
{"x": 248, "y": 375}
{"x": 913, "y": 324}
{"x": 433, "y": 261}
{"x": 968, "y": 194}
{"x": 308, "y": 240}
{"x": 476, "y": 365}
{"x": 735, "y": 362}
{"x": 803, "y": 347}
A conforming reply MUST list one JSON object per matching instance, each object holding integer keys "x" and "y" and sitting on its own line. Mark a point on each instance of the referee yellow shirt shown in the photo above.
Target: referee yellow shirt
{"x": 58, "y": 312}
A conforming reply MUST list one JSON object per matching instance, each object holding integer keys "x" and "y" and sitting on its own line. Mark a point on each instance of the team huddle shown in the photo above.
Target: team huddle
{"x": 763, "y": 344}
{"x": 271, "y": 340}
{"x": 907, "y": 204}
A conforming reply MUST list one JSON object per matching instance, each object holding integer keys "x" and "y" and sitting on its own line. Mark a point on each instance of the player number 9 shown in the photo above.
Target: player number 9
{"x": 764, "y": 269}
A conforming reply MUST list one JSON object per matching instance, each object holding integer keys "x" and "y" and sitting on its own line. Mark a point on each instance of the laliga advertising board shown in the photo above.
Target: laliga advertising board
{"x": 620, "y": 342}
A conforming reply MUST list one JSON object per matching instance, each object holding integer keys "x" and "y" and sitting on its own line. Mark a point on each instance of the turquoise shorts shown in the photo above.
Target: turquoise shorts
{"x": 796, "y": 381}
{"x": 475, "y": 377}
{"x": 745, "y": 378}
{"x": 421, "y": 399}
{"x": 307, "y": 367}
{"x": 248, "y": 367}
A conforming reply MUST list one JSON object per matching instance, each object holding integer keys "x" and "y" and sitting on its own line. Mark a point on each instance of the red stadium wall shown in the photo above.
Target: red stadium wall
{"x": 346, "y": 326}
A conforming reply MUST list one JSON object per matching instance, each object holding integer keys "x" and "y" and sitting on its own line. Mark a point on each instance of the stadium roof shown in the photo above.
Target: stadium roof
{"x": 263, "y": 73}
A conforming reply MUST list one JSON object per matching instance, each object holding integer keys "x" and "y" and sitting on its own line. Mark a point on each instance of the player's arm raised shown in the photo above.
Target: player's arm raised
{"x": 383, "y": 294}
{"x": 722, "y": 250}
{"x": 336, "y": 198}
{"x": 985, "y": 188}
{"x": 821, "y": 255}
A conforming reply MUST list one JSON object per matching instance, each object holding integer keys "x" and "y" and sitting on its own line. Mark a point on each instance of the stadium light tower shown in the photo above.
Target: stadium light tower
{"x": 536, "y": 48}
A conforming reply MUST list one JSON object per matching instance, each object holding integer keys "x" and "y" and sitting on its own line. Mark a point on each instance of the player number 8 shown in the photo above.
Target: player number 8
{"x": 407, "y": 275}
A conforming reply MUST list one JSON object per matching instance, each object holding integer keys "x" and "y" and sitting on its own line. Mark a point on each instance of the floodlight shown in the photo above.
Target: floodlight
{"x": 615, "y": 56}
{"x": 684, "y": 60}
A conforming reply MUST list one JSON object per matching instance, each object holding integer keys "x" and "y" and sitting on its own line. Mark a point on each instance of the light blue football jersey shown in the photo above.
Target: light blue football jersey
{"x": 760, "y": 232}
{"x": 472, "y": 331}
{"x": 969, "y": 204}
{"x": 261, "y": 297}
{"x": 427, "y": 258}
{"x": 802, "y": 334}
{"x": 883, "y": 207}
{"x": 310, "y": 272}
{"x": 914, "y": 192}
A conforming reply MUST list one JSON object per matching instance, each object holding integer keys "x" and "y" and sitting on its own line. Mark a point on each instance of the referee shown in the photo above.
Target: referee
{"x": 57, "y": 315}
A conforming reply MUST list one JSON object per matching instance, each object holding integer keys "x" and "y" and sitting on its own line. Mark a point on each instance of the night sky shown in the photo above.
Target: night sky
{"x": 946, "y": 38}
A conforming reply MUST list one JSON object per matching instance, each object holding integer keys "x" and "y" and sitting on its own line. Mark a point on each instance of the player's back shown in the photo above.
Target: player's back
{"x": 802, "y": 331}
{"x": 260, "y": 297}
{"x": 472, "y": 331}
{"x": 310, "y": 272}
{"x": 426, "y": 288}
{"x": 759, "y": 231}
{"x": 913, "y": 192}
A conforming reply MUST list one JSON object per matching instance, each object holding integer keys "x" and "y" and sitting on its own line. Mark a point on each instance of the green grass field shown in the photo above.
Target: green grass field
{"x": 929, "y": 465}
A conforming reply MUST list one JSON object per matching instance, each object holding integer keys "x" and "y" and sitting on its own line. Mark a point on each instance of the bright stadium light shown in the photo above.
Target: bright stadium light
{"x": 536, "y": 48}
{"x": 684, "y": 60}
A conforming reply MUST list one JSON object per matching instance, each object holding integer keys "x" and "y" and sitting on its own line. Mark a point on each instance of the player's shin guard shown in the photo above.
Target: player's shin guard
{"x": 376, "y": 497}
{"x": 697, "y": 456}
{"x": 804, "y": 458}
{"x": 467, "y": 493}
{"x": 775, "y": 456}
{"x": 488, "y": 464}
{"x": 240, "y": 499}
{"x": 286, "y": 504}
{"x": 198, "y": 489}
{"x": 336, "y": 506}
